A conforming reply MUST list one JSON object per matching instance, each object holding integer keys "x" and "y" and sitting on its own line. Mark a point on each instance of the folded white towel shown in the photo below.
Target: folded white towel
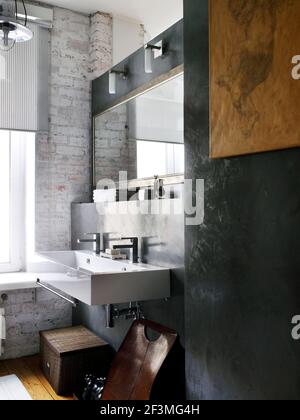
{"x": 2, "y": 329}
{"x": 105, "y": 196}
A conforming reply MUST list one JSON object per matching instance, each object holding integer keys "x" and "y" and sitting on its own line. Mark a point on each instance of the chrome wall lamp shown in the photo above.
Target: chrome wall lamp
{"x": 152, "y": 52}
{"x": 113, "y": 74}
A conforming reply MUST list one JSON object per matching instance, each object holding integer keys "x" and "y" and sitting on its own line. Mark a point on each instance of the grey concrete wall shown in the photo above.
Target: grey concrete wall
{"x": 27, "y": 313}
{"x": 242, "y": 264}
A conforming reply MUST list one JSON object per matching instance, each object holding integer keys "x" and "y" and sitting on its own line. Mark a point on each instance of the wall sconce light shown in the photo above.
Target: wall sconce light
{"x": 113, "y": 80}
{"x": 152, "y": 51}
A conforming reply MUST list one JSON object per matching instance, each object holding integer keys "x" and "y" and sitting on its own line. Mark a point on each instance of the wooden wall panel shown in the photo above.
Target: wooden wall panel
{"x": 255, "y": 102}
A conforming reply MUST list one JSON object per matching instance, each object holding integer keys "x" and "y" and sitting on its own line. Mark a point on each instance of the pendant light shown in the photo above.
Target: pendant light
{"x": 11, "y": 30}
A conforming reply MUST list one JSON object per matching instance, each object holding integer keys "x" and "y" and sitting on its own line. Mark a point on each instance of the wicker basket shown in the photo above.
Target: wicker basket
{"x": 69, "y": 354}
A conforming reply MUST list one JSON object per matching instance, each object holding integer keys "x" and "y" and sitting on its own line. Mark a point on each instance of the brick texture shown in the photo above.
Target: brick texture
{"x": 80, "y": 50}
{"x": 27, "y": 313}
{"x": 62, "y": 164}
{"x": 113, "y": 149}
{"x": 101, "y": 42}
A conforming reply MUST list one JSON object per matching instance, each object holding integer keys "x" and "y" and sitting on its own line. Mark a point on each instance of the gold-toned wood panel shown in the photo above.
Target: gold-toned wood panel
{"x": 254, "y": 100}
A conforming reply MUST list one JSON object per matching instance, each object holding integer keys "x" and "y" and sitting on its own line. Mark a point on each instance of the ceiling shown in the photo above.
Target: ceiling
{"x": 156, "y": 15}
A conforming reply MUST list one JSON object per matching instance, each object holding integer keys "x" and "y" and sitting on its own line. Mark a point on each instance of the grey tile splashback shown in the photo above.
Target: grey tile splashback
{"x": 161, "y": 235}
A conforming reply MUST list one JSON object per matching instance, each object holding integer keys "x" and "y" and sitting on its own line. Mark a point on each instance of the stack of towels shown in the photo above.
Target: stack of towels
{"x": 105, "y": 196}
{"x": 113, "y": 254}
{"x": 2, "y": 329}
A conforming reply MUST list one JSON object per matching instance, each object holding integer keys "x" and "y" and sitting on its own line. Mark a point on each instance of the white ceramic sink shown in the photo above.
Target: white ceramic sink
{"x": 98, "y": 281}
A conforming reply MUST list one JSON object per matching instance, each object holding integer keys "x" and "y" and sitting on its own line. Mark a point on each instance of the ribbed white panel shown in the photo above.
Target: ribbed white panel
{"x": 20, "y": 84}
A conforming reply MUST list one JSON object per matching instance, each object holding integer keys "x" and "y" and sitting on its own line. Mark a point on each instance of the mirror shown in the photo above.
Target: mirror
{"x": 144, "y": 136}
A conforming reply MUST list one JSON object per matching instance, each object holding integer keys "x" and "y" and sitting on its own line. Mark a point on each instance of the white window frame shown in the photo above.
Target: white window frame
{"x": 169, "y": 165}
{"x": 17, "y": 205}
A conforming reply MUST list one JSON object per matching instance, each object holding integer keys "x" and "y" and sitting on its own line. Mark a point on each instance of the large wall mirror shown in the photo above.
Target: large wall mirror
{"x": 144, "y": 136}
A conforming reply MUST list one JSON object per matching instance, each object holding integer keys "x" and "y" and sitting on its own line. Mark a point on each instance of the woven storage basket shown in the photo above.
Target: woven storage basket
{"x": 69, "y": 354}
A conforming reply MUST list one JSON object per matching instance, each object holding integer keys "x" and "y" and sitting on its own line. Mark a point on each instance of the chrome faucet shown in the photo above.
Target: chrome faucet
{"x": 96, "y": 240}
{"x": 134, "y": 246}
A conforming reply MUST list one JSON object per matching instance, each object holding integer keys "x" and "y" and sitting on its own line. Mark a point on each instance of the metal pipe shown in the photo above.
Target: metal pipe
{"x": 73, "y": 302}
{"x": 132, "y": 312}
{"x": 109, "y": 316}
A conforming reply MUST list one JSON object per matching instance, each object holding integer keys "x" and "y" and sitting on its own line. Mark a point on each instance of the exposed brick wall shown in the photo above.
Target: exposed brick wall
{"x": 28, "y": 313}
{"x": 62, "y": 165}
{"x": 63, "y": 156}
{"x": 101, "y": 44}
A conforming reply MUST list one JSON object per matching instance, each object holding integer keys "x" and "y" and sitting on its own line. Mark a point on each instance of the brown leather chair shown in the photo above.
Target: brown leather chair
{"x": 138, "y": 362}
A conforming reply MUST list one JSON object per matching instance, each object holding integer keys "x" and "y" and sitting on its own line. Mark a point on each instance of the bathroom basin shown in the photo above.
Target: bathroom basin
{"x": 95, "y": 280}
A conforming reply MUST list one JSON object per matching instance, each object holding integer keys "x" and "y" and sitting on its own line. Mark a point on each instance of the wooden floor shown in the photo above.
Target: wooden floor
{"x": 30, "y": 374}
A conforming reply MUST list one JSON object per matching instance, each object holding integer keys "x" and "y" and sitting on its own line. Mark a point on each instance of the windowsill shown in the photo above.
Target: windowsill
{"x": 17, "y": 281}
{"x": 37, "y": 267}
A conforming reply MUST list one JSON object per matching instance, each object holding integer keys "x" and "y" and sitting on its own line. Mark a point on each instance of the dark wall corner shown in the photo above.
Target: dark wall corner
{"x": 242, "y": 264}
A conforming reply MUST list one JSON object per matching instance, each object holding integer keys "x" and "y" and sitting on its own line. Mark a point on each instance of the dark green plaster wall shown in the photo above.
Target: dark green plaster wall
{"x": 243, "y": 264}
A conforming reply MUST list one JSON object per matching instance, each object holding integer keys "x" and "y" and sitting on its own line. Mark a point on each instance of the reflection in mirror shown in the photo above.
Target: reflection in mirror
{"x": 159, "y": 159}
{"x": 144, "y": 136}
{"x": 114, "y": 151}
{"x": 157, "y": 115}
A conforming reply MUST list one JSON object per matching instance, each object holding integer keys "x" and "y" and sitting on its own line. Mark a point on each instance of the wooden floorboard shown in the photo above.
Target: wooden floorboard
{"x": 30, "y": 374}
{"x": 29, "y": 379}
{"x": 3, "y": 370}
{"x": 33, "y": 363}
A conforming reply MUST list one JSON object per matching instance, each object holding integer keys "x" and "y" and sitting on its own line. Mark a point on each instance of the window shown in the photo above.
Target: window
{"x": 5, "y": 202}
{"x": 24, "y": 84}
{"x": 16, "y": 152}
{"x": 154, "y": 158}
